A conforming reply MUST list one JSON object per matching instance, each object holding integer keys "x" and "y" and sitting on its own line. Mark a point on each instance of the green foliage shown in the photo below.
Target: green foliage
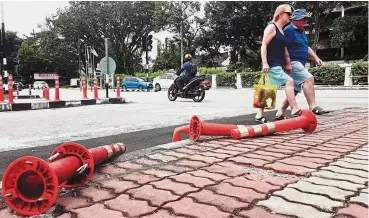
{"x": 249, "y": 79}
{"x": 328, "y": 75}
{"x": 360, "y": 69}
{"x": 226, "y": 80}
{"x": 207, "y": 71}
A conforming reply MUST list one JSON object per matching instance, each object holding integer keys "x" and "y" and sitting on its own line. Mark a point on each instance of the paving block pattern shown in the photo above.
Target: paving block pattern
{"x": 289, "y": 174}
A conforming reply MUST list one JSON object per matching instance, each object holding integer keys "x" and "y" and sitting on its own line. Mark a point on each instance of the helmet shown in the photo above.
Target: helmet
{"x": 188, "y": 57}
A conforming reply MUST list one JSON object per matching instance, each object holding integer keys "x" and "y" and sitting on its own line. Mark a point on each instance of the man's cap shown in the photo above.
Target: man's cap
{"x": 299, "y": 14}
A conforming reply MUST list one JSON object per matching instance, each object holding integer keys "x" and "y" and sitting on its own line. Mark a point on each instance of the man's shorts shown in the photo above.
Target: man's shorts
{"x": 299, "y": 75}
{"x": 277, "y": 76}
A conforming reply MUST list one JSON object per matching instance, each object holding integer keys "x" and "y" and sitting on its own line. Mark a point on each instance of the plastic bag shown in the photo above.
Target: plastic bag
{"x": 265, "y": 95}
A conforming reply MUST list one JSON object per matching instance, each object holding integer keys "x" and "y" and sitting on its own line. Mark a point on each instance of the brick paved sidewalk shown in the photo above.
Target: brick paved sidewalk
{"x": 324, "y": 174}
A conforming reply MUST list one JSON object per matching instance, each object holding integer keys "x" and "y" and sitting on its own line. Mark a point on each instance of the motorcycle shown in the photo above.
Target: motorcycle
{"x": 193, "y": 90}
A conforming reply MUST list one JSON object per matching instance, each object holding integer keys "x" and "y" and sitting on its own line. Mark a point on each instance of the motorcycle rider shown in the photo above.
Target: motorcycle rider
{"x": 187, "y": 75}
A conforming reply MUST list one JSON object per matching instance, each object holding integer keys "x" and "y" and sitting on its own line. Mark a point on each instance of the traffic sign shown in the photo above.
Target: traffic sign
{"x": 104, "y": 65}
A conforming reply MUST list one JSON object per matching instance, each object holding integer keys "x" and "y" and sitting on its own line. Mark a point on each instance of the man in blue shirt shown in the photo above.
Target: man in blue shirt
{"x": 187, "y": 75}
{"x": 299, "y": 51}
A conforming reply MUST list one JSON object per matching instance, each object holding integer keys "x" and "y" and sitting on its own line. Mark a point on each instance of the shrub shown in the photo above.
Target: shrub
{"x": 226, "y": 80}
{"x": 209, "y": 71}
{"x": 328, "y": 75}
{"x": 359, "y": 69}
{"x": 250, "y": 78}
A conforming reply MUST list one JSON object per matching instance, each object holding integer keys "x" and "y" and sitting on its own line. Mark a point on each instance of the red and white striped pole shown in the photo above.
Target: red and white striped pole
{"x": 10, "y": 89}
{"x": 1, "y": 89}
{"x": 118, "y": 86}
{"x": 17, "y": 89}
{"x": 84, "y": 87}
{"x": 57, "y": 87}
{"x": 96, "y": 93}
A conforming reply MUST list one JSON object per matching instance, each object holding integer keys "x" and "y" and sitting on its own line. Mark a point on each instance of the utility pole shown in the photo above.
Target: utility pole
{"x": 3, "y": 62}
{"x": 181, "y": 30}
{"x": 107, "y": 68}
{"x": 79, "y": 57}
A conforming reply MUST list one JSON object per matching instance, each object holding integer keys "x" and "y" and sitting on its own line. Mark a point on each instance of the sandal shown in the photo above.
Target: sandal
{"x": 318, "y": 110}
{"x": 261, "y": 120}
{"x": 296, "y": 114}
{"x": 281, "y": 117}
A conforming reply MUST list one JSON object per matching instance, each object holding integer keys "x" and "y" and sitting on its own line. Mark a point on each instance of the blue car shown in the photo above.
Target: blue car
{"x": 135, "y": 83}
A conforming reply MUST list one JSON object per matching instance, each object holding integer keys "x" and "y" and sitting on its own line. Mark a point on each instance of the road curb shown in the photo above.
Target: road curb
{"x": 58, "y": 104}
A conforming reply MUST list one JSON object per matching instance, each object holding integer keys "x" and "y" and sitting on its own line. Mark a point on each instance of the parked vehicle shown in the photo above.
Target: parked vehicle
{"x": 40, "y": 85}
{"x": 207, "y": 84}
{"x": 164, "y": 81}
{"x": 135, "y": 83}
{"x": 193, "y": 90}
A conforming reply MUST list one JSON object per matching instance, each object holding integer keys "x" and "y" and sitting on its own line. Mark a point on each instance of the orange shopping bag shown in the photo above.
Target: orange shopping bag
{"x": 265, "y": 95}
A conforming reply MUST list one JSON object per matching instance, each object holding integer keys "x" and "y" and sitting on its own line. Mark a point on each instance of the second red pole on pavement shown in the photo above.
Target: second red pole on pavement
{"x": 96, "y": 93}
{"x": 84, "y": 87}
{"x": 1, "y": 89}
{"x": 118, "y": 86}
{"x": 57, "y": 87}
{"x": 10, "y": 89}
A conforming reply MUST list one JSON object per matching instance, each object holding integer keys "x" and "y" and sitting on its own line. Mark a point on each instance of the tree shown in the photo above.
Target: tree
{"x": 11, "y": 46}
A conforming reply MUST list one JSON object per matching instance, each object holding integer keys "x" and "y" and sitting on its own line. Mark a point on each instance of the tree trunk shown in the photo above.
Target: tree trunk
{"x": 316, "y": 28}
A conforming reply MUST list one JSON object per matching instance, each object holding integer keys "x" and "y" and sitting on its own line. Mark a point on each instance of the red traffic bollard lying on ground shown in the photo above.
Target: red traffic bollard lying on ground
{"x": 306, "y": 121}
{"x": 198, "y": 128}
{"x": 30, "y": 185}
{"x": 177, "y": 133}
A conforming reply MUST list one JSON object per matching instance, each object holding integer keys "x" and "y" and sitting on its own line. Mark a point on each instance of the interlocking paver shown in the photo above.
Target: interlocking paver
{"x": 203, "y": 158}
{"x": 354, "y": 210}
{"x": 249, "y": 161}
{"x": 204, "y": 174}
{"x": 188, "y": 207}
{"x": 156, "y": 196}
{"x": 112, "y": 170}
{"x": 72, "y": 202}
{"x": 97, "y": 211}
{"x": 146, "y": 161}
{"x": 354, "y": 161}
{"x": 268, "y": 153}
{"x": 281, "y": 206}
{"x": 226, "y": 203}
{"x": 129, "y": 165}
{"x": 245, "y": 194}
{"x": 140, "y": 178}
{"x": 332, "y": 192}
{"x": 358, "y": 157}
{"x": 129, "y": 207}
{"x": 300, "y": 162}
{"x": 227, "y": 168}
{"x": 190, "y": 179}
{"x": 351, "y": 165}
{"x": 289, "y": 169}
{"x": 159, "y": 173}
{"x": 343, "y": 170}
{"x": 96, "y": 194}
{"x": 174, "y": 168}
{"x": 345, "y": 185}
{"x": 215, "y": 154}
{"x": 258, "y": 185}
{"x": 260, "y": 212}
{"x": 119, "y": 186}
{"x": 340, "y": 176}
{"x": 228, "y": 151}
{"x": 163, "y": 214}
{"x": 277, "y": 181}
{"x": 162, "y": 157}
{"x": 191, "y": 163}
{"x": 176, "y": 187}
{"x": 361, "y": 198}
{"x": 173, "y": 153}
{"x": 315, "y": 200}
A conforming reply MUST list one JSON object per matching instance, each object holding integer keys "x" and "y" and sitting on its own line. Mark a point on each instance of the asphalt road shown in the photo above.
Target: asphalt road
{"x": 134, "y": 140}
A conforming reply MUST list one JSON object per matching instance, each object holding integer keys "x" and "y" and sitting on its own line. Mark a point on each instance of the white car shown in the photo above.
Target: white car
{"x": 164, "y": 81}
{"x": 40, "y": 85}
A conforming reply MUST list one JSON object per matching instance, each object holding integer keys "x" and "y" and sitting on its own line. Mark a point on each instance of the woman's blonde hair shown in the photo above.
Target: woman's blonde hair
{"x": 280, "y": 9}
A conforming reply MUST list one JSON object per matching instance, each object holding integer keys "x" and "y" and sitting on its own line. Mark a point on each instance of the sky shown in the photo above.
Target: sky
{"x": 24, "y": 16}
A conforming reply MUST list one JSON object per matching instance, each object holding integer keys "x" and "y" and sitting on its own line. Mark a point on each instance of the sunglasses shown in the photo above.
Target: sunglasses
{"x": 288, "y": 13}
